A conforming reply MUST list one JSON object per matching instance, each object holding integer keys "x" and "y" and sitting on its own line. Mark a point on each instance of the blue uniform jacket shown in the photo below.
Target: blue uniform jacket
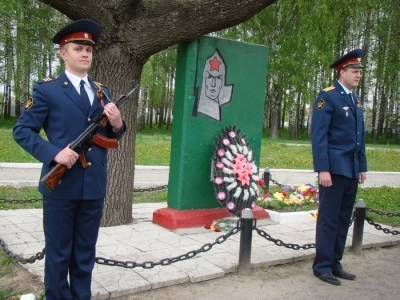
{"x": 337, "y": 131}
{"x": 58, "y": 109}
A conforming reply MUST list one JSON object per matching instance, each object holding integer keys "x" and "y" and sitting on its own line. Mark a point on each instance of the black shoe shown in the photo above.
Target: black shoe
{"x": 329, "y": 278}
{"x": 343, "y": 274}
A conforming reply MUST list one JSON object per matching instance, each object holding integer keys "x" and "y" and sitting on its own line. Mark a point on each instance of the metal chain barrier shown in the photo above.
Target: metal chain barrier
{"x": 352, "y": 218}
{"x": 20, "y": 259}
{"x": 150, "y": 189}
{"x": 379, "y": 227}
{"x": 282, "y": 186}
{"x": 279, "y": 242}
{"x": 20, "y": 201}
{"x": 168, "y": 261}
{"x": 381, "y": 213}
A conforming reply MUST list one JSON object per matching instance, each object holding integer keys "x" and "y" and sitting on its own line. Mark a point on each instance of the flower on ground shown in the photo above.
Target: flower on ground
{"x": 304, "y": 196}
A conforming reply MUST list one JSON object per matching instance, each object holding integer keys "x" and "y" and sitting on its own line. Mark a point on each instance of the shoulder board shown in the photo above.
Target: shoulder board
{"x": 329, "y": 88}
{"x": 99, "y": 84}
{"x": 47, "y": 79}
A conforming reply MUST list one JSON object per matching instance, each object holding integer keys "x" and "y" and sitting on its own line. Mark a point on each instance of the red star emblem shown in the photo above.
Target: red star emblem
{"x": 214, "y": 64}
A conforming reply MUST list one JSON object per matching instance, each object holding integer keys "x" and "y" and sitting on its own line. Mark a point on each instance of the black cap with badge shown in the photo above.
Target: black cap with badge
{"x": 84, "y": 32}
{"x": 351, "y": 59}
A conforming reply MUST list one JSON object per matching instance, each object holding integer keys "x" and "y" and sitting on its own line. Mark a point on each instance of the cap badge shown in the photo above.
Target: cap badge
{"x": 320, "y": 104}
{"x": 86, "y": 35}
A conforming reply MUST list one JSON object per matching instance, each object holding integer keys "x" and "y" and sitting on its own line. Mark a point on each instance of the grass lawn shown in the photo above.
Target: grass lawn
{"x": 153, "y": 147}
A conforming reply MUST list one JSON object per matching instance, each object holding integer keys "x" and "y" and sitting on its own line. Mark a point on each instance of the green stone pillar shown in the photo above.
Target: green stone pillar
{"x": 219, "y": 82}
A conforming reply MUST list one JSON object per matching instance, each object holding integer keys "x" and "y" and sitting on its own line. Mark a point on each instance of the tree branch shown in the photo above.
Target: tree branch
{"x": 176, "y": 20}
{"x": 84, "y": 9}
{"x": 145, "y": 27}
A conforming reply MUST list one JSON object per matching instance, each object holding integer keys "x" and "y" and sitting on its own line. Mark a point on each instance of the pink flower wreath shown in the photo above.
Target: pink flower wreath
{"x": 234, "y": 170}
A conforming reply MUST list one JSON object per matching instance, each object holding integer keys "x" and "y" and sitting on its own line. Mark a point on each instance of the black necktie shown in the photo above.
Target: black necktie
{"x": 352, "y": 97}
{"x": 84, "y": 96}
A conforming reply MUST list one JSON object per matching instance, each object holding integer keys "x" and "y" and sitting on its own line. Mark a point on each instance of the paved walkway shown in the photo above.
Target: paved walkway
{"x": 143, "y": 241}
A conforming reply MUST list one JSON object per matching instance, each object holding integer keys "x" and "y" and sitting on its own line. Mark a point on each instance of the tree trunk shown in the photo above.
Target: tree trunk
{"x": 292, "y": 122}
{"x": 141, "y": 110}
{"x": 276, "y": 103}
{"x": 398, "y": 109}
{"x": 282, "y": 114}
{"x": 121, "y": 68}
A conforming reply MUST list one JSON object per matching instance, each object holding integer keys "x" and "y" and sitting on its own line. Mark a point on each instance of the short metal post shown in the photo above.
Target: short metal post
{"x": 358, "y": 226}
{"x": 246, "y": 235}
{"x": 266, "y": 177}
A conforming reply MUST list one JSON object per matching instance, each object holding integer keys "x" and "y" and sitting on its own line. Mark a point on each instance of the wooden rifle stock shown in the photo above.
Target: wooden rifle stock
{"x": 53, "y": 177}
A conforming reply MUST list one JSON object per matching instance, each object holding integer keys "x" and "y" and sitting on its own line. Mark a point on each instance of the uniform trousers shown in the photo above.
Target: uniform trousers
{"x": 71, "y": 229}
{"x": 334, "y": 214}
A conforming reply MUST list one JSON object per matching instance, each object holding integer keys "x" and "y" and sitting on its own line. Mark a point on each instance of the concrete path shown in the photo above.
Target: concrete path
{"x": 23, "y": 174}
{"x": 144, "y": 241}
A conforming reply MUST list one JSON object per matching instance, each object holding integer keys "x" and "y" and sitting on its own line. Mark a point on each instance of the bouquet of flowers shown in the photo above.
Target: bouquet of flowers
{"x": 289, "y": 198}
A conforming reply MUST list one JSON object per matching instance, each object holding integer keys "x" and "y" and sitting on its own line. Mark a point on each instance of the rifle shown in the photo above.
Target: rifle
{"x": 84, "y": 141}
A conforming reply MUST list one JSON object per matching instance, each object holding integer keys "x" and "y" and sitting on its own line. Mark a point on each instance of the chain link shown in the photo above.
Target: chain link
{"x": 168, "y": 261}
{"x": 381, "y": 213}
{"x": 20, "y": 259}
{"x": 282, "y": 186}
{"x": 150, "y": 189}
{"x": 20, "y": 201}
{"x": 379, "y": 227}
{"x": 352, "y": 218}
{"x": 280, "y": 243}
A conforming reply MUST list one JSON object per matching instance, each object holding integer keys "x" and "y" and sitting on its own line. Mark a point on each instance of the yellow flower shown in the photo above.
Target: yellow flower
{"x": 303, "y": 188}
{"x": 278, "y": 196}
{"x": 295, "y": 200}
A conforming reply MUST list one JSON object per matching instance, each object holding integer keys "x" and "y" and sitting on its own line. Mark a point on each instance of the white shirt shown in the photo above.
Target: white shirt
{"x": 76, "y": 82}
{"x": 346, "y": 90}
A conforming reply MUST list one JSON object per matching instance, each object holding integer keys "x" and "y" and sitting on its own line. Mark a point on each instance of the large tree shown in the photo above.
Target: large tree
{"x": 132, "y": 31}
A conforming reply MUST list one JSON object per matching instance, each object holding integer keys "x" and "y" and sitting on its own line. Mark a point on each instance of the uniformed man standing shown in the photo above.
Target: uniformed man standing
{"x": 338, "y": 149}
{"x": 63, "y": 108}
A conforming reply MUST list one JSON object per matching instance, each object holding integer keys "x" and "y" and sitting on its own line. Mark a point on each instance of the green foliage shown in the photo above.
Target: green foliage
{"x": 150, "y": 197}
{"x": 31, "y": 193}
{"x": 386, "y": 199}
{"x": 27, "y": 50}
{"x": 305, "y": 37}
{"x": 280, "y": 206}
{"x": 7, "y": 124}
{"x": 382, "y": 139}
{"x": 6, "y": 265}
{"x": 23, "y": 193}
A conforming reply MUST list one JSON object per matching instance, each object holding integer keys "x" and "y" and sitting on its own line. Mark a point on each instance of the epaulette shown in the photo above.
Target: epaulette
{"x": 47, "y": 79}
{"x": 329, "y": 88}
